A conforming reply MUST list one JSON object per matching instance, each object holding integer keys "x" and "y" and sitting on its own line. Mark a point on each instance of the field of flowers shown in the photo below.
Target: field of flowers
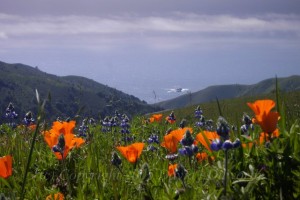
{"x": 158, "y": 156}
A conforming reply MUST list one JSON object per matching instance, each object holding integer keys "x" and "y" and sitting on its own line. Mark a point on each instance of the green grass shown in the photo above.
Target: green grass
{"x": 261, "y": 172}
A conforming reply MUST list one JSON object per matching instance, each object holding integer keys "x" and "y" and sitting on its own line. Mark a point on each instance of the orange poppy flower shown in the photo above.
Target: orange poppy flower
{"x": 263, "y": 137}
{"x": 32, "y": 127}
{"x": 173, "y": 138}
{"x": 155, "y": 118}
{"x": 5, "y": 166}
{"x": 210, "y": 137}
{"x": 263, "y": 115}
{"x": 170, "y": 142}
{"x": 132, "y": 152}
{"x": 65, "y": 128}
{"x": 57, "y": 196}
{"x": 247, "y": 145}
{"x": 171, "y": 170}
{"x": 201, "y": 156}
{"x": 179, "y": 133}
{"x": 170, "y": 120}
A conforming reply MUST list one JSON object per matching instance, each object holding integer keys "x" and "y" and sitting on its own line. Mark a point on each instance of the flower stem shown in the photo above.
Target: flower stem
{"x": 225, "y": 173}
{"x": 29, "y": 160}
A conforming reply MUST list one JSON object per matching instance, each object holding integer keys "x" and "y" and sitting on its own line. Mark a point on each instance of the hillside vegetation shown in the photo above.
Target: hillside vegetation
{"x": 233, "y": 109}
{"x": 67, "y": 95}
{"x": 267, "y": 86}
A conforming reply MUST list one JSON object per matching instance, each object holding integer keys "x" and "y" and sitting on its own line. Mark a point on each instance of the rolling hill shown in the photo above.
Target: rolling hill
{"x": 69, "y": 94}
{"x": 208, "y": 94}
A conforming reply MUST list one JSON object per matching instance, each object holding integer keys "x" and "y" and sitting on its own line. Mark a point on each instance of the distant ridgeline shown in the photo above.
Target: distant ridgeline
{"x": 208, "y": 94}
{"x": 69, "y": 95}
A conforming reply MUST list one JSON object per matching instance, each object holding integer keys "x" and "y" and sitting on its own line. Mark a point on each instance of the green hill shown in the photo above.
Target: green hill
{"x": 233, "y": 109}
{"x": 69, "y": 94}
{"x": 208, "y": 94}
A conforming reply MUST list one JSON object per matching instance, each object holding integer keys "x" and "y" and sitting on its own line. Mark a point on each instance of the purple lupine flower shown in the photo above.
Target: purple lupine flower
{"x": 11, "y": 115}
{"x": 10, "y": 112}
{"x": 28, "y": 119}
{"x": 118, "y": 115}
{"x": 216, "y": 145}
{"x": 199, "y": 124}
{"x": 187, "y": 139}
{"x": 227, "y": 145}
{"x": 153, "y": 139}
{"x": 114, "y": 121}
{"x": 128, "y": 138}
{"x": 83, "y": 129}
{"x": 198, "y": 112}
{"x": 188, "y": 150}
{"x": 247, "y": 125}
{"x": 92, "y": 121}
{"x": 106, "y": 124}
{"x": 171, "y": 157}
{"x": 223, "y": 128}
{"x": 125, "y": 125}
{"x": 236, "y": 143}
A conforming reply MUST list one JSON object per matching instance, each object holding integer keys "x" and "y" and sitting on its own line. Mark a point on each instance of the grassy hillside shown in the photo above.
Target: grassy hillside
{"x": 68, "y": 94}
{"x": 291, "y": 83}
{"x": 232, "y": 109}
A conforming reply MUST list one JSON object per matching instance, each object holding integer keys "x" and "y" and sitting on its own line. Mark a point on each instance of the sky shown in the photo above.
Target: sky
{"x": 146, "y": 47}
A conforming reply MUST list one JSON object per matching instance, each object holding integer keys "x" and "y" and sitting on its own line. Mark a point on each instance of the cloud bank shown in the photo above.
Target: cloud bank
{"x": 173, "y": 31}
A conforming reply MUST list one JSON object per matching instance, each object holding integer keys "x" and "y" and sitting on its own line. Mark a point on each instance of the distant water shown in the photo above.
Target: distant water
{"x": 152, "y": 93}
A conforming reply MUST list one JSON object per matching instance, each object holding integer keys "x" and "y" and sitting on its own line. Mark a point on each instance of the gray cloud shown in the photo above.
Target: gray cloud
{"x": 174, "y": 31}
{"x": 182, "y": 22}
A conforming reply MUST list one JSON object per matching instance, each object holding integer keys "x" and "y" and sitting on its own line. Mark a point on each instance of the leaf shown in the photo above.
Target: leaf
{"x": 251, "y": 168}
{"x": 37, "y": 96}
{"x": 5, "y": 182}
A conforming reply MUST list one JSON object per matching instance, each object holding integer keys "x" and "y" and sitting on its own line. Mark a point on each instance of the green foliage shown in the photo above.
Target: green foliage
{"x": 258, "y": 171}
{"x": 68, "y": 96}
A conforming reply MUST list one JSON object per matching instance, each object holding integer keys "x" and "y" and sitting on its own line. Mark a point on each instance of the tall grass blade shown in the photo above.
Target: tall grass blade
{"x": 41, "y": 107}
{"x": 280, "y": 106}
{"x": 219, "y": 107}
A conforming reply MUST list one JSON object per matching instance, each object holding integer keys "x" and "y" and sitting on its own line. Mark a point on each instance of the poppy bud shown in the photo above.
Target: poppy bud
{"x": 115, "y": 159}
{"x": 145, "y": 173}
{"x": 180, "y": 171}
{"x": 182, "y": 123}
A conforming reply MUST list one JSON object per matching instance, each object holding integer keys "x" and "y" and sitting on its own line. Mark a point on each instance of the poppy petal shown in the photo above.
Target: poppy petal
{"x": 5, "y": 166}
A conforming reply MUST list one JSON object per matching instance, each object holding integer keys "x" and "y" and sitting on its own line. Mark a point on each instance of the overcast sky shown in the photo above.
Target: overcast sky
{"x": 141, "y": 46}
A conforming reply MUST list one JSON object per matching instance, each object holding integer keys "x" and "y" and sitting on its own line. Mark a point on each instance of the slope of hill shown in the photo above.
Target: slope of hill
{"x": 68, "y": 94}
{"x": 291, "y": 83}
